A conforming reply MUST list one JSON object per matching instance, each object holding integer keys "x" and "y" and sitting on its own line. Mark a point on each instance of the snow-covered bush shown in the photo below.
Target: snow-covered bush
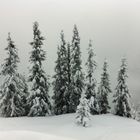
{"x": 83, "y": 113}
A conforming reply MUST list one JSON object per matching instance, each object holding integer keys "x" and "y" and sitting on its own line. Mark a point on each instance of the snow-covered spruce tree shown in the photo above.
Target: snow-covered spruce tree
{"x": 77, "y": 78}
{"x": 91, "y": 81}
{"x": 12, "y": 89}
{"x": 38, "y": 100}
{"x": 61, "y": 79}
{"x": 122, "y": 95}
{"x": 83, "y": 112}
{"x": 104, "y": 90}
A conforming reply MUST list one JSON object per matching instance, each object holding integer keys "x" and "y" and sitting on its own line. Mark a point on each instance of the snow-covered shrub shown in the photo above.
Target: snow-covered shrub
{"x": 83, "y": 113}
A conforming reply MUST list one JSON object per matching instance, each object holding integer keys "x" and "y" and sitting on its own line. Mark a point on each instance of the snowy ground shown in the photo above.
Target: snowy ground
{"x": 103, "y": 127}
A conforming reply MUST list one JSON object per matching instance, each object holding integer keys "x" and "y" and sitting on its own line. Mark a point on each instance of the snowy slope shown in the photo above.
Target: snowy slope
{"x": 103, "y": 127}
{"x": 25, "y": 135}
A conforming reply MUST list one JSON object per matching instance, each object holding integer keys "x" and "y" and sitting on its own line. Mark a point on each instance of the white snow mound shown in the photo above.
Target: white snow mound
{"x": 63, "y": 127}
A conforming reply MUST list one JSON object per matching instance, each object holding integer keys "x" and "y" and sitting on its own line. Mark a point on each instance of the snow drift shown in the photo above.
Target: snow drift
{"x": 63, "y": 127}
{"x": 25, "y": 135}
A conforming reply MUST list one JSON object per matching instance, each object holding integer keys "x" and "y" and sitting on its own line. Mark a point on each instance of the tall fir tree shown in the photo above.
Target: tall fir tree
{"x": 122, "y": 95}
{"x": 12, "y": 89}
{"x": 77, "y": 77}
{"x": 61, "y": 82}
{"x": 104, "y": 90}
{"x": 91, "y": 82}
{"x": 39, "y": 99}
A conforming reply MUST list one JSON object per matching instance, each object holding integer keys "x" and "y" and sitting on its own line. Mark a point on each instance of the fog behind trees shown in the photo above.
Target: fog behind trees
{"x": 114, "y": 27}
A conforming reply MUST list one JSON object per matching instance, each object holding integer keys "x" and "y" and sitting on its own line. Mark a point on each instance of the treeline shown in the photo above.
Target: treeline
{"x": 70, "y": 84}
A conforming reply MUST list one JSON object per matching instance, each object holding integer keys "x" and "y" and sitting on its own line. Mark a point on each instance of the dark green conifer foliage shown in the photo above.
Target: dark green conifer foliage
{"x": 122, "y": 95}
{"x": 77, "y": 78}
{"x": 61, "y": 78}
{"x": 104, "y": 90}
{"x": 91, "y": 82}
{"x": 12, "y": 89}
{"x": 39, "y": 100}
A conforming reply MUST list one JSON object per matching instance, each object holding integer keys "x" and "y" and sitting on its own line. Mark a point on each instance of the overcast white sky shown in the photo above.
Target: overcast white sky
{"x": 113, "y": 25}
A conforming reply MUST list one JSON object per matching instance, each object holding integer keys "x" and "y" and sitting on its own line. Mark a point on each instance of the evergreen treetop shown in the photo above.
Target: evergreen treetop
{"x": 10, "y": 65}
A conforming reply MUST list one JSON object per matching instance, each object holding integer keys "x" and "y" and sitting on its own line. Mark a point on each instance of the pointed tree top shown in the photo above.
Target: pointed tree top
{"x": 75, "y": 30}
{"x": 10, "y": 41}
{"x": 105, "y": 60}
{"x": 90, "y": 43}
{"x": 124, "y": 62}
{"x": 68, "y": 43}
{"x": 9, "y": 36}
{"x": 62, "y": 32}
{"x": 35, "y": 28}
{"x": 62, "y": 35}
{"x": 75, "y": 26}
{"x": 36, "y": 23}
{"x": 105, "y": 66}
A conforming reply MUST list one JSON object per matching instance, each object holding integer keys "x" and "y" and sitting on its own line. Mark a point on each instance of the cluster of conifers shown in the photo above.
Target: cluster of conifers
{"x": 69, "y": 82}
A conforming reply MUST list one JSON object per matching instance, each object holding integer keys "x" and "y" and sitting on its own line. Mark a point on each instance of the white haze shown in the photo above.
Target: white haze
{"x": 113, "y": 25}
